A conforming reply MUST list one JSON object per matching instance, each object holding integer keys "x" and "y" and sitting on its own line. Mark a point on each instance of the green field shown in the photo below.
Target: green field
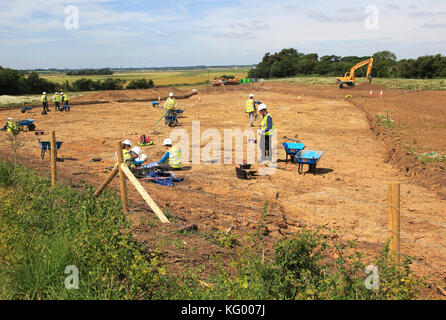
{"x": 166, "y": 78}
{"x": 409, "y": 84}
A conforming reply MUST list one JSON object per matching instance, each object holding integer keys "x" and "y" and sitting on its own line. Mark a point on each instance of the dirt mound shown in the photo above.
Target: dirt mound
{"x": 110, "y": 95}
{"x": 366, "y": 86}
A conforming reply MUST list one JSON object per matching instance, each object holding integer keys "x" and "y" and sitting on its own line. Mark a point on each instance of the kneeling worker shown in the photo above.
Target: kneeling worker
{"x": 127, "y": 157}
{"x": 10, "y": 126}
{"x": 266, "y": 131}
{"x": 172, "y": 158}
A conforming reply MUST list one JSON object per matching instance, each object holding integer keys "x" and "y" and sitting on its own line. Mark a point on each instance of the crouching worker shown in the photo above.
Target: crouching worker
{"x": 11, "y": 126}
{"x": 171, "y": 159}
{"x": 138, "y": 158}
{"x": 126, "y": 148}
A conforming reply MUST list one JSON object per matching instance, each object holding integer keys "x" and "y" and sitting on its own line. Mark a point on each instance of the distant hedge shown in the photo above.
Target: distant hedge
{"x": 90, "y": 72}
{"x": 14, "y": 82}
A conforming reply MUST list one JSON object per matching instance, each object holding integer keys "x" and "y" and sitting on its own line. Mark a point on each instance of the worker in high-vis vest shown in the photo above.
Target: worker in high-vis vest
{"x": 66, "y": 99}
{"x": 250, "y": 109}
{"x": 44, "y": 101}
{"x": 171, "y": 160}
{"x": 11, "y": 126}
{"x": 126, "y": 148}
{"x": 56, "y": 100}
{"x": 266, "y": 131}
{"x": 170, "y": 105}
{"x": 171, "y": 102}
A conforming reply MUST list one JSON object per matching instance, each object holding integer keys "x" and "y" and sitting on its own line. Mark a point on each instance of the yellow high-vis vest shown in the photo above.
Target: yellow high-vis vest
{"x": 174, "y": 157}
{"x": 249, "y": 106}
{"x": 170, "y": 103}
{"x": 264, "y": 124}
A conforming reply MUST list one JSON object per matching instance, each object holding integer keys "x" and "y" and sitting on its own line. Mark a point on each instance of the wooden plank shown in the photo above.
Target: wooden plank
{"x": 144, "y": 194}
{"x": 53, "y": 158}
{"x": 107, "y": 181}
{"x": 122, "y": 178}
{"x": 394, "y": 218}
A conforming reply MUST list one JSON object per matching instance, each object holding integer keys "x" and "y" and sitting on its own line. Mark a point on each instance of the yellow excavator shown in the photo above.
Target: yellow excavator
{"x": 349, "y": 78}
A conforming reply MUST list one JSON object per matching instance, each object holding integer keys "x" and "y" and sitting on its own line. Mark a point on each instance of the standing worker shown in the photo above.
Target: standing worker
{"x": 56, "y": 100}
{"x": 170, "y": 105}
{"x": 44, "y": 101}
{"x": 266, "y": 131}
{"x": 172, "y": 157}
{"x": 66, "y": 100}
{"x": 250, "y": 109}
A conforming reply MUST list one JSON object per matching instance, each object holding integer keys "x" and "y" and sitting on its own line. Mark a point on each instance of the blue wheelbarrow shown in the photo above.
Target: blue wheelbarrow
{"x": 26, "y": 109}
{"x": 171, "y": 119}
{"x": 179, "y": 112}
{"x": 155, "y": 104}
{"x": 26, "y": 123}
{"x": 310, "y": 157}
{"x": 46, "y": 146}
{"x": 292, "y": 149}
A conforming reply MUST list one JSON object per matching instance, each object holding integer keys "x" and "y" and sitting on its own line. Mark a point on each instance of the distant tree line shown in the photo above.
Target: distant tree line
{"x": 14, "y": 82}
{"x": 90, "y": 72}
{"x": 290, "y": 62}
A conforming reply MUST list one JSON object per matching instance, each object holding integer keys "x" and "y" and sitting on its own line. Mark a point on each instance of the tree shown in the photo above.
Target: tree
{"x": 383, "y": 63}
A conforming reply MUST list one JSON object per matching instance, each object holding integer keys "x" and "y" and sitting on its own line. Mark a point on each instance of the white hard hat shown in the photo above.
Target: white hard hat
{"x": 127, "y": 142}
{"x": 9, "y": 119}
{"x": 251, "y": 95}
{"x": 136, "y": 150}
{"x": 61, "y": 93}
{"x": 171, "y": 94}
{"x": 262, "y": 107}
{"x": 167, "y": 142}
{"x": 55, "y": 92}
{"x": 44, "y": 92}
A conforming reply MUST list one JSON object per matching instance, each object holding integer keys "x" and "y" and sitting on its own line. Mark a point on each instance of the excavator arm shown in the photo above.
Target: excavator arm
{"x": 349, "y": 77}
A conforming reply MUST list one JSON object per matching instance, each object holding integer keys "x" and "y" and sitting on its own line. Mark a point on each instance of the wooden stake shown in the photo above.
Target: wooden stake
{"x": 53, "y": 158}
{"x": 122, "y": 177}
{"x": 144, "y": 193}
{"x": 107, "y": 181}
{"x": 394, "y": 218}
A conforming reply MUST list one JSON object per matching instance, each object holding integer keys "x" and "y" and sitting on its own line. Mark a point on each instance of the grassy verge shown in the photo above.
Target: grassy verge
{"x": 406, "y": 84}
{"x": 43, "y": 231}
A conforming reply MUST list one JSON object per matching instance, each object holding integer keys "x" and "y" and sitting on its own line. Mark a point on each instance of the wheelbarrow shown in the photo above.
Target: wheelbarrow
{"x": 155, "y": 104}
{"x": 26, "y": 109}
{"x": 26, "y": 123}
{"x": 292, "y": 149}
{"x": 310, "y": 157}
{"x": 179, "y": 113}
{"x": 46, "y": 146}
{"x": 171, "y": 119}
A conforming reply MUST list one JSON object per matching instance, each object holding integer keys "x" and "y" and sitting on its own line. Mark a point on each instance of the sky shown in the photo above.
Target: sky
{"x": 136, "y": 33}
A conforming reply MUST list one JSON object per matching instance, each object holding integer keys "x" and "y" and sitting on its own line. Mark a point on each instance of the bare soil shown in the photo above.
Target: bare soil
{"x": 348, "y": 194}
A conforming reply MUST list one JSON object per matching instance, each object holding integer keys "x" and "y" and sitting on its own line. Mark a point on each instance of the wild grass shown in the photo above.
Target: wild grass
{"x": 406, "y": 84}
{"x": 43, "y": 231}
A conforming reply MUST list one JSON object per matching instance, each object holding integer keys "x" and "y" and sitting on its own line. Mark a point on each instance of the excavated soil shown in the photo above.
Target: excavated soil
{"x": 130, "y": 94}
{"x": 348, "y": 194}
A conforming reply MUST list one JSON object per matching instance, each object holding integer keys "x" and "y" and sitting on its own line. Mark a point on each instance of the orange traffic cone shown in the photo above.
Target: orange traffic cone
{"x": 298, "y": 99}
{"x": 371, "y": 93}
{"x": 199, "y": 98}
{"x": 159, "y": 99}
{"x": 381, "y": 94}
